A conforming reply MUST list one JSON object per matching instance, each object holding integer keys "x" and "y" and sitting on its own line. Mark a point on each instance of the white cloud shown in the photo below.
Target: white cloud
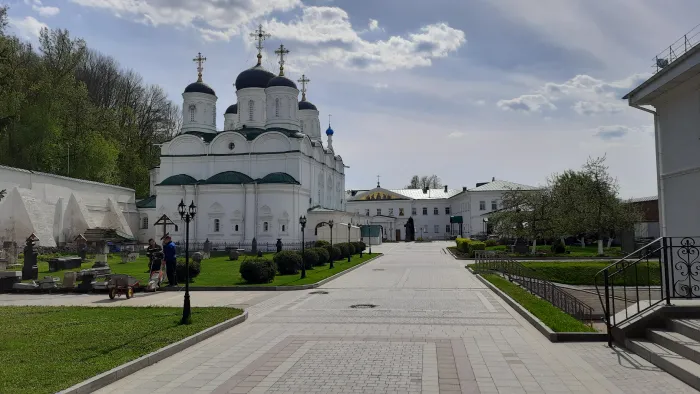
{"x": 380, "y": 85}
{"x": 455, "y": 134}
{"x": 332, "y": 39}
{"x": 28, "y": 27}
{"x": 480, "y": 102}
{"x": 46, "y": 11}
{"x": 584, "y": 94}
{"x": 374, "y": 25}
{"x": 617, "y": 132}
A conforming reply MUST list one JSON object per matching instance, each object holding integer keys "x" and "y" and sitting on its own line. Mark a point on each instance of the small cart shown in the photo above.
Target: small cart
{"x": 122, "y": 284}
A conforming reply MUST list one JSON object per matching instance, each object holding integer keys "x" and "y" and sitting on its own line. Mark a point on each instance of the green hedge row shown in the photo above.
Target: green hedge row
{"x": 469, "y": 246}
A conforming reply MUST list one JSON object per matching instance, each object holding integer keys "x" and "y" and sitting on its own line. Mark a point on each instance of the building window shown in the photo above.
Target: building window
{"x": 251, "y": 109}
{"x": 425, "y": 211}
{"x": 213, "y": 115}
{"x": 379, "y": 211}
{"x": 366, "y": 212}
{"x": 284, "y": 228}
{"x": 277, "y": 108}
{"x": 193, "y": 112}
{"x": 413, "y": 211}
{"x": 447, "y": 210}
{"x": 482, "y": 205}
{"x": 391, "y": 211}
{"x": 217, "y": 225}
{"x": 235, "y": 228}
{"x": 436, "y": 211}
{"x": 425, "y": 228}
{"x": 437, "y": 228}
{"x": 144, "y": 223}
{"x": 494, "y": 205}
{"x": 447, "y": 228}
{"x": 400, "y": 211}
{"x": 266, "y": 227}
{"x": 302, "y": 125}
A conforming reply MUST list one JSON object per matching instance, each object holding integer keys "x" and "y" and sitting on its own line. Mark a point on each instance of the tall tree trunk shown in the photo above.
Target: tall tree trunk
{"x": 600, "y": 246}
{"x": 534, "y": 246}
{"x": 583, "y": 242}
{"x": 610, "y": 239}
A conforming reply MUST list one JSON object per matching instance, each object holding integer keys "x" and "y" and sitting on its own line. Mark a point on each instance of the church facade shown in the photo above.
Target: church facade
{"x": 255, "y": 178}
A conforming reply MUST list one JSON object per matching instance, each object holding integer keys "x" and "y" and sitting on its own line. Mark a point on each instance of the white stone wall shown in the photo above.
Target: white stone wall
{"x": 308, "y": 118}
{"x": 199, "y": 112}
{"x": 252, "y": 109}
{"x": 282, "y": 107}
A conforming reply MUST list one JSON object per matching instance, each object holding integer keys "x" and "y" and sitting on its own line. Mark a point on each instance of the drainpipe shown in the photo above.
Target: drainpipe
{"x": 245, "y": 200}
{"x": 659, "y": 167}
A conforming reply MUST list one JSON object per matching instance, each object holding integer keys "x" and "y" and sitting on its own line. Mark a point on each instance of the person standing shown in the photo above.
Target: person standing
{"x": 154, "y": 253}
{"x": 170, "y": 260}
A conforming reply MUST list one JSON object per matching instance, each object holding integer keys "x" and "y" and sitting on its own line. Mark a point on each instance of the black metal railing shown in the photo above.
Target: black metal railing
{"x": 246, "y": 246}
{"x": 664, "y": 269}
{"x": 531, "y": 280}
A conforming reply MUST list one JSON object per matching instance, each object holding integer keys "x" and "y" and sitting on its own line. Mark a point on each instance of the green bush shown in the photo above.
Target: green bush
{"x": 288, "y": 262}
{"x": 323, "y": 255}
{"x": 463, "y": 244}
{"x": 180, "y": 270}
{"x": 344, "y": 250}
{"x": 491, "y": 242}
{"x": 321, "y": 243}
{"x": 310, "y": 258}
{"x": 257, "y": 271}
{"x": 558, "y": 247}
{"x": 474, "y": 246}
{"x": 470, "y": 246}
{"x": 334, "y": 252}
{"x": 361, "y": 246}
{"x": 351, "y": 248}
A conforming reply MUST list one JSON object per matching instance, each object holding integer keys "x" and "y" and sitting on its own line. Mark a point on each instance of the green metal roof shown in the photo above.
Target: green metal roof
{"x": 279, "y": 177}
{"x": 177, "y": 180}
{"x": 229, "y": 178}
{"x": 250, "y": 133}
{"x": 149, "y": 202}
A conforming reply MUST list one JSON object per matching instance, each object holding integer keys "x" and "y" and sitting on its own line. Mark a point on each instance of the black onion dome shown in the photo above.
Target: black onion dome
{"x": 256, "y": 77}
{"x": 232, "y": 109}
{"x": 306, "y": 105}
{"x": 281, "y": 81}
{"x": 199, "y": 87}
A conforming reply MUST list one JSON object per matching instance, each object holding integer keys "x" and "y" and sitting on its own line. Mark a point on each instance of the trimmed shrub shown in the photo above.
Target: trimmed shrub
{"x": 180, "y": 270}
{"x": 258, "y": 271}
{"x": 310, "y": 258}
{"x": 558, "y": 247}
{"x": 344, "y": 250}
{"x": 233, "y": 255}
{"x": 469, "y": 246}
{"x": 334, "y": 252}
{"x": 359, "y": 247}
{"x": 321, "y": 243}
{"x": 491, "y": 242}
{"x": 351, "y": 248}
{"x": 288, "y": 262}
{"x": 474, "y": 246}
{"x": 463, "y": 244}
{"x": 323, "y": 255}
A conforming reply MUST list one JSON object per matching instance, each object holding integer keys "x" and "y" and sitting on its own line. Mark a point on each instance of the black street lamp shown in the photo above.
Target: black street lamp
{"x": 186, "y": 214}
{"x": 349, "y": 227}
{"x": 369, "y": 236}
{"x": 330, "y": 224}
{"x": 302, "y": 221}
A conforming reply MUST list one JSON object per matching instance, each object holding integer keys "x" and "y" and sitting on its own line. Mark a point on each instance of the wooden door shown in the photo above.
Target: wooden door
{"x": 398, "y": 235}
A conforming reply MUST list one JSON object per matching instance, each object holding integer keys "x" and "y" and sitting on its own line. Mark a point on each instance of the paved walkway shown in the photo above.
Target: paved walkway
{"x": 435, "y": 329}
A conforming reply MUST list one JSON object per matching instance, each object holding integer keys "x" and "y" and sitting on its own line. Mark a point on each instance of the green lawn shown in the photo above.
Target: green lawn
{"x": 219, "y": 271}
{"x": 550, "y": 315}
{"x": 583, "y": 272}
{"x": 47, "y": 349}
{"x": 574, "y": 251}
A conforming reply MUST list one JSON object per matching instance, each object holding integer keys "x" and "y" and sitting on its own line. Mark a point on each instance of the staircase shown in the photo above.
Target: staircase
{"x": 674, "y": 348}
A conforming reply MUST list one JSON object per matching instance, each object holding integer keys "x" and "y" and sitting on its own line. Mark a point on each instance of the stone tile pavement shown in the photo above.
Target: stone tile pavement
{"x": 434, "y": 329}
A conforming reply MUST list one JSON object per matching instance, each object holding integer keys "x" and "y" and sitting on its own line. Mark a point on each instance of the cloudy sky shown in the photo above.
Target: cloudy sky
{"x": 467, "y": 90}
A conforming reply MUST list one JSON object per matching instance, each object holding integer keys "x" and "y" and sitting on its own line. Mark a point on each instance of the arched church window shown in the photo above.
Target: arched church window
{"x": 217, "y": 225}
{"x": 144, "y": 223}
{"x": 302, "y": 125}
{"x": 284, "y": 228}
{"x": 213, "y": 115}
{"x": 193, "y": 112}
{"x": 266, "y": 227}
{"x": 251, "y": 109}
{"x": 235, "y": 228}
{"x": 277, "y": 108}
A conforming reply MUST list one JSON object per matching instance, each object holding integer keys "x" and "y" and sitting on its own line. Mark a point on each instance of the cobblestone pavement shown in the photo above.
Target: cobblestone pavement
{"x": 434, "y": 328}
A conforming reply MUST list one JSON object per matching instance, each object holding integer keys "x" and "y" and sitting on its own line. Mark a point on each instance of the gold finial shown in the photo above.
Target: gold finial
{"x": 281, "y": 52}
{"x": 260, "y": 36}
{"x": 303, "y": 81}
{"x": 199, "y": 60}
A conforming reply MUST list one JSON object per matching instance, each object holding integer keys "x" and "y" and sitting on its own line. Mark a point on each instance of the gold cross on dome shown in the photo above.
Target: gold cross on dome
{"x": 303, "y": 81}
{"x": 199, "y": 60}
{"x": 281, "y": 52}
{"x": 260, "y": 36}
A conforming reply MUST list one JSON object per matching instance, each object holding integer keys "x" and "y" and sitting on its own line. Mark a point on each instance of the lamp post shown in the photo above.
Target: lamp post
{"x": 302, "y": 221}
{"x": 187, "y": 214}
{"x": 349, "y": 227}
{"x": 369, "y": 236}
{"x": 330, "y": 224}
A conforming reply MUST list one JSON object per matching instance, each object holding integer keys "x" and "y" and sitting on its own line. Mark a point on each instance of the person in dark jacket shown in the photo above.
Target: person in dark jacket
{"x": 155, "y": 255}
{"x": 170, "y": 260}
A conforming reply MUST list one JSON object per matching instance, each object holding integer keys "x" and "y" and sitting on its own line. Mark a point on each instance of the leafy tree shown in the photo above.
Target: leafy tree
{"x": 426, "y": 181}
{"x": 525, "y": 214}
{"x": 415, "y": 183}
{"x": 2, "y": 194}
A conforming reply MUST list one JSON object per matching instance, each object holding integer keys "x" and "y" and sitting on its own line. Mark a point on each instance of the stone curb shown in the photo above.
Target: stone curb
{"x": 541, "y": 327}
{"x": 273, "y": 288}
{"x": 106, "y": 378}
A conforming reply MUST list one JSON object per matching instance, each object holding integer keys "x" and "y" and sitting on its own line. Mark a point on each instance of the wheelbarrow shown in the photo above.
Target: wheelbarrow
{"x": 119, "y": 285}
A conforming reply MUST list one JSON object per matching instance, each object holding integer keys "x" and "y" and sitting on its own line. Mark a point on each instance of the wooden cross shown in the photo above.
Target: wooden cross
{"x": 378, "y": 176}
{"x": 199, "y": 60}
{"x": 281, "y": 52}
{"x": 165, "y": 222}
{"x": 303, "y": 81}
{"x": 260, "y": 36}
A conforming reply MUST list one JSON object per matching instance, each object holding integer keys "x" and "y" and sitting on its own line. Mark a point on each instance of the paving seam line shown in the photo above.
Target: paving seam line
{"x": 106, "y": 378}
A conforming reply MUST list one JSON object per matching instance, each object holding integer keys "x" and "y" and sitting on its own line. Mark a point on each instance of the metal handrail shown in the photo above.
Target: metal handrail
{"x": 677, "y": 49}
{"x": 528, "y": 278}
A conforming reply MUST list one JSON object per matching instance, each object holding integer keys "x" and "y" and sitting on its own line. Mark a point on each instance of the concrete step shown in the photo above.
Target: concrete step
{"x": 688, "y": 327}
{"x": 671, "y": 362}
{"x": 676, "y": 342}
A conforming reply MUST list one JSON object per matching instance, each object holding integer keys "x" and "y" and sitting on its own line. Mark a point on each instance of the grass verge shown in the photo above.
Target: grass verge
{"x": 550, "y": 315}
{"x": 48, "y": 349}
{"x": 583, "y": 272}
{"x": 574, "y": 251}
{"x": 219, "y": 271}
